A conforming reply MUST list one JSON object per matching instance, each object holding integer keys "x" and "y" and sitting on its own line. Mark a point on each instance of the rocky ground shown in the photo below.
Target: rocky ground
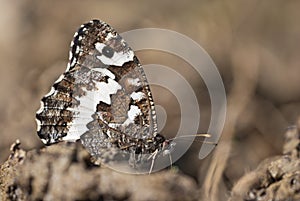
{"x": 64, "y": 172}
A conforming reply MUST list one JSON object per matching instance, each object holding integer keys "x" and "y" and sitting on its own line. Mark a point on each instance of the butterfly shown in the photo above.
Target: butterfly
{"x": 104, "y": 100}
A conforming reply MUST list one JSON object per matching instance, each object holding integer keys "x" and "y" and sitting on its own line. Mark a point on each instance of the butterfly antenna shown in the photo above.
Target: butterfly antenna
{"x": 196, "y": 135}
{"x": 206, "y": 135}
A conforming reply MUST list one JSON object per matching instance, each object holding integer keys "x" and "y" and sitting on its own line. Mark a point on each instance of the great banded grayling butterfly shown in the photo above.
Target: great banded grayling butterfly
{"x": 103, "y": 99}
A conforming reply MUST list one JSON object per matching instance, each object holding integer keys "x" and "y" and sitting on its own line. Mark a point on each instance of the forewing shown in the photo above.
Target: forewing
{"x": 104, "y": 91}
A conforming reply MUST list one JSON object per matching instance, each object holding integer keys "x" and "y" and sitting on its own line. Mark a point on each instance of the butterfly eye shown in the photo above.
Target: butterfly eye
{"x": 108, "y": 51}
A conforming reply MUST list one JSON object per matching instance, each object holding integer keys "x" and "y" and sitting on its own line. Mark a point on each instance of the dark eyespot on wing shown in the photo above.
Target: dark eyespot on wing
{"x": 108, "y": 52}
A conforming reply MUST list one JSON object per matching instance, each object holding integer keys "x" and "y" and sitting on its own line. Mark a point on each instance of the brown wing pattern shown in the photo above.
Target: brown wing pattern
{"x": 104, "y": 91}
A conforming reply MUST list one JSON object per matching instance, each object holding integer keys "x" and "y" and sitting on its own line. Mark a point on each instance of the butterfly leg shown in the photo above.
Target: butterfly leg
{"x": 133, "y": 160}
{"x": 153, "y": 156}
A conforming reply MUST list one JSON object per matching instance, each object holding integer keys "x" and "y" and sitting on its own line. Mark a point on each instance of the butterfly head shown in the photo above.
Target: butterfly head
{"x": 164, "y": 145}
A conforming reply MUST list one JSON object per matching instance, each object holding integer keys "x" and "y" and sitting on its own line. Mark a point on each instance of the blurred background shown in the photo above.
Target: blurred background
{"x": 254, "y": 44}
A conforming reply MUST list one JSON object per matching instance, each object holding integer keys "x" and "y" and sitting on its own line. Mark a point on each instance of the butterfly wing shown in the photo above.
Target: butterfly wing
{"x": 103, "y": 92}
